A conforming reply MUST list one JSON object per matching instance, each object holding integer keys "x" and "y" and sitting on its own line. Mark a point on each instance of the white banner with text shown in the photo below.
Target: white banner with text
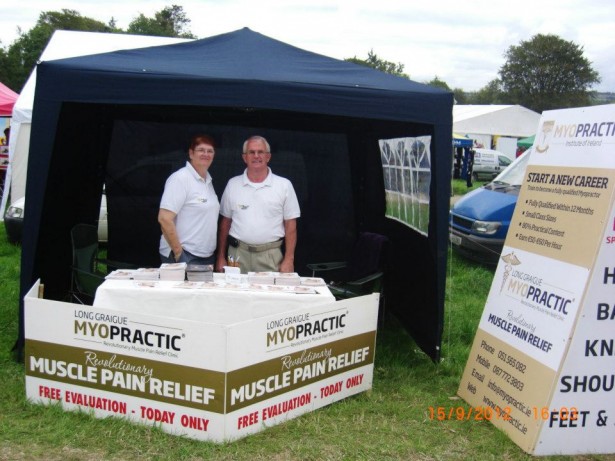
{"x": 202, "y": 380}
{"x": 542, "y": 358}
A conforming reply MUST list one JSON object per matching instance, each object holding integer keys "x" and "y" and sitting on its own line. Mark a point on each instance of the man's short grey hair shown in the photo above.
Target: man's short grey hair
{"x": 256, "y": 138}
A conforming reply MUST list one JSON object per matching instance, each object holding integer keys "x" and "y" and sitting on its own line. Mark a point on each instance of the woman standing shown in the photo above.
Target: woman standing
{"x": 189, "y": 208}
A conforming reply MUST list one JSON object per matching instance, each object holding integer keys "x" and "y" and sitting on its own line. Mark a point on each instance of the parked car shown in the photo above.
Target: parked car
{"x": 479, "y": 221}
{"x": 13, "y": 220}
{"x": 489, "y": 163}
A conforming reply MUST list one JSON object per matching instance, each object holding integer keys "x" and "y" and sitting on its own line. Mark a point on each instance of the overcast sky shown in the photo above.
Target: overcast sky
{"x": 460, "y": 42}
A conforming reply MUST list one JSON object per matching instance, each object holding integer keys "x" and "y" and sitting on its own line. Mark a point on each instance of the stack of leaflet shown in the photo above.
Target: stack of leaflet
{"x": 125, "y": 274}
{"x": 263, "y": 278}
{"x": 313, "y": 281}
{"x": 200, "y": 272}
{"x": 146, "y": 274}
{"x": 288, "y": 278}
{"x": 173, "y": 271}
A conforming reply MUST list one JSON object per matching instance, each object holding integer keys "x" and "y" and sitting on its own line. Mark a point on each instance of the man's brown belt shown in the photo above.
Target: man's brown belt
{"x": 253, "y": 248}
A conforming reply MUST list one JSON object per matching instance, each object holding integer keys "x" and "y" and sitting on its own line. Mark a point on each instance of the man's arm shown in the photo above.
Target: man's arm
{"x": 223, "y": 230}
{"x": 290, "y": 243}
{"x": 166, "y": 218}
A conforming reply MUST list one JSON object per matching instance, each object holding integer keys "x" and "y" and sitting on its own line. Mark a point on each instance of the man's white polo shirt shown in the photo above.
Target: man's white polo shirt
{"x": 258, "y": 210}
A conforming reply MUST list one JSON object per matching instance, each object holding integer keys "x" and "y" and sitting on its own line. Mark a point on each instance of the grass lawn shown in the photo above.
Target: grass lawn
{"x": 460, "y": 186}
{"x": 391, "y": 422}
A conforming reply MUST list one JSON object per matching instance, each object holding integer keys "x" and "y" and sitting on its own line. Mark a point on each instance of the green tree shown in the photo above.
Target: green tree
{"x": 71, "y": 20}
{"x": 461, "y": 97}
{"x": 458, "y": 93}
{"x": 490, "y": 94}
{"x": 377, "y": 63}
{"x": 18, "y": 60}
{"x": 547, "y": 72}
{"x": 168, "y": 22}
{"x": 22, "y": 55}
{"x": 438, "y": 83}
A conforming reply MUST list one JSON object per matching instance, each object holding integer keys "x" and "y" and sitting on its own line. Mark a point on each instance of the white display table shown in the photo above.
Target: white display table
{"x": 220, "y": 305}
{"x": 212, "y": 364}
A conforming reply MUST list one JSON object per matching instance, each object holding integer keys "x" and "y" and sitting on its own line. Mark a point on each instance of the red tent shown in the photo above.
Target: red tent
{"x": 7, "y": 100}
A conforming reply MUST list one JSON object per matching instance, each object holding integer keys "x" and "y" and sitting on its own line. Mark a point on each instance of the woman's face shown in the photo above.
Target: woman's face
{"x": 202, "y": 156}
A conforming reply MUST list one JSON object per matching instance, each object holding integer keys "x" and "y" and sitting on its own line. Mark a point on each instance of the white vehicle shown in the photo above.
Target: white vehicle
{"x": 13, "y": 220}
{"x": 488, "y": 163}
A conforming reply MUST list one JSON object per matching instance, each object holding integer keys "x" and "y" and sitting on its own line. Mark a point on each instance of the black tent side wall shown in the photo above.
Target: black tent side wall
{"x": 438, "y": 228}
{"x": 416, "y": 276}
{"x": 423, "y": 256}
{"x": 71, "y": 192}
{"x": 45, "y": 119}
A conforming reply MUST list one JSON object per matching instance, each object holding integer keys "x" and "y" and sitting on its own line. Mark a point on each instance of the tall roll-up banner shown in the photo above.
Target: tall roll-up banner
{"x": 542, "y": 365}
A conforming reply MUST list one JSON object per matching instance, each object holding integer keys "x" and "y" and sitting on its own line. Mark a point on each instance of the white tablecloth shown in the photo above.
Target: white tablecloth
{"x": 213, "y": 305}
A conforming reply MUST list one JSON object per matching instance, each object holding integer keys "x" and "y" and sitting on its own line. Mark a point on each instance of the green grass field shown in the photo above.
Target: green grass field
{"x": 391, "y": 422}
{"x": 460, "y": 187}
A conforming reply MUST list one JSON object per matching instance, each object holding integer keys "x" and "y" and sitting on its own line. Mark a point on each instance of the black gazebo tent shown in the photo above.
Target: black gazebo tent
{"x": 123, "y": 120}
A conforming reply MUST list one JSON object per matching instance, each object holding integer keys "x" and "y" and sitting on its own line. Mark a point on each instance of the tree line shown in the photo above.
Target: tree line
{"x": 542, "y": 73}
{"x": 18, "y": 59}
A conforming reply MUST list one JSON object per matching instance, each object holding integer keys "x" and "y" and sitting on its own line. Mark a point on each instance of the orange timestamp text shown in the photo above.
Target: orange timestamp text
{"x": 562, "y": 413}
{"x": 460, "y": 413}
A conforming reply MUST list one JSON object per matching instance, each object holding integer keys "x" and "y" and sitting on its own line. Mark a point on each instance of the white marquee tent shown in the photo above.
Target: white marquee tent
{"x": 504, "y": 120}
{"x": 63, "y": 44}
{"x": 485, "y": 122}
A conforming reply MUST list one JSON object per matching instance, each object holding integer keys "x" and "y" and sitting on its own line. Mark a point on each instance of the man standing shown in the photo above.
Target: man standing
{"x": 259, "y": 213}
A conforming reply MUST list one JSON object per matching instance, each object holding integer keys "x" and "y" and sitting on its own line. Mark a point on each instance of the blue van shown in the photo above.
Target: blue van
{"x": 479, "y": 221}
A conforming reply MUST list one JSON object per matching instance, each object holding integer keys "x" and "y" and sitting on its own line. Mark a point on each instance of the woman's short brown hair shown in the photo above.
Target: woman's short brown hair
{"x": 202, "y": 139}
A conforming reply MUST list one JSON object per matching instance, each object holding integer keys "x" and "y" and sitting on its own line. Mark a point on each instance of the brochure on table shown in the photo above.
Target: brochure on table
{"x": 208, "y": 381}
{"x": 541, "y": 365}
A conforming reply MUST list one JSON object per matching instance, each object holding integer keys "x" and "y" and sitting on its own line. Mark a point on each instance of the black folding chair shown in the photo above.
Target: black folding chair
{"x": 86, "y": 275}
{"x": 363, "y": 271}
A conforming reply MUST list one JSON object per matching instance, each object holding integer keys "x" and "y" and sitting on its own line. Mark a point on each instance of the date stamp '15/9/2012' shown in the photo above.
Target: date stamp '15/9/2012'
{"x": 459, "y": 413}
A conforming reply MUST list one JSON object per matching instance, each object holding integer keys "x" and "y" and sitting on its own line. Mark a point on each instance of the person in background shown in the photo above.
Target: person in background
{"x": 259, "y": 212}
{"x": 189, "y": 208}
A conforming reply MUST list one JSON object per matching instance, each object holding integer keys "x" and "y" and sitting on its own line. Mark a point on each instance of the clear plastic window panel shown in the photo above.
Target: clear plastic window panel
{"x": 406, "y": 165}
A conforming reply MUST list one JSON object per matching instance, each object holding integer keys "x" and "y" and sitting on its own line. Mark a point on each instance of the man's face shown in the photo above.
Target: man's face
{"x": 256, "y": 156}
